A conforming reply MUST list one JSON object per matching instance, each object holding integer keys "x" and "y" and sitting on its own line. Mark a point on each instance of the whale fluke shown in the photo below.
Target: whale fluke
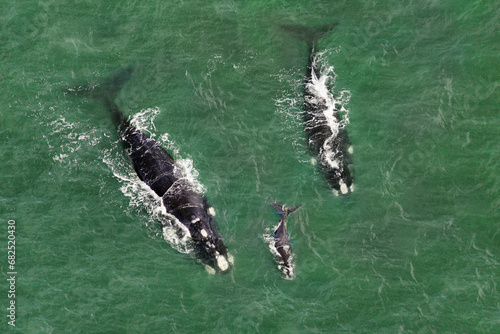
{"x": 308, "y": 34}
{"x": 284, "y": 211}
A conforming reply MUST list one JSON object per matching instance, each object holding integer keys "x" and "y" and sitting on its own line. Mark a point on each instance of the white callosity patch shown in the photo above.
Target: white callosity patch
{"x": 343, "y": 188}
{"x": 222, "y": 263}
{"x": 211, "y": 211}
{"x": 204, "y": 233}
{"x": 210, "y": 270}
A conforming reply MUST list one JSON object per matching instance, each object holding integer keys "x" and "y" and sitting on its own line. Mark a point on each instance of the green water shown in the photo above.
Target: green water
{"x": 415, "y": 248}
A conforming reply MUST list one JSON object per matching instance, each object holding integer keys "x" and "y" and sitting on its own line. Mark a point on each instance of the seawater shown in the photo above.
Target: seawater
{"x": 414, "y": 249}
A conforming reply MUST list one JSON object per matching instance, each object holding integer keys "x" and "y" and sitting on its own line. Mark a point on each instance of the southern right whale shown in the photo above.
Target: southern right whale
{"x": 157, "y": 168}
{"x": 326, "y": 133}
{"x": 280, "y": 245}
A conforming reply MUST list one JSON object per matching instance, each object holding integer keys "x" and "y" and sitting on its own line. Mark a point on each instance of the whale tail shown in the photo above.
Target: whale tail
{"x": 283, "y": 210}
{"x": 310, "y": 35}
{"x": 107, "y": 91}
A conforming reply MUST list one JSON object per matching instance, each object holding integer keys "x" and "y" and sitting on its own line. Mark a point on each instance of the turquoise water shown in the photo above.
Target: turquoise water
{"x": 415, "y": 248}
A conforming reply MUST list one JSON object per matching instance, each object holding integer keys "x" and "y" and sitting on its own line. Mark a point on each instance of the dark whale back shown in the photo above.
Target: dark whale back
{"x": 152, "y": 163}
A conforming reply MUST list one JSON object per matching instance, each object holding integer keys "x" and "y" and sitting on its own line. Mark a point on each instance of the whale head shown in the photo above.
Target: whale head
{"x": 208, "y": 244}
{"x": 211, "y": 250}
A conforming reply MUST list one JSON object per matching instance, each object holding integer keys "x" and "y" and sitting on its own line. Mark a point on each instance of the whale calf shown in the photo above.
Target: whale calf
{"x": 157, "y": 169}
{"x": 280, "y": 245}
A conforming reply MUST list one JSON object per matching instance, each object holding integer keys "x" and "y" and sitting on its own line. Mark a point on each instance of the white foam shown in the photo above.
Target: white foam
{"x": 74, "y": 136}
{"x": 61, "y": 124}
{"x": 144, "y": 120}
{"x": 184, "y": 169}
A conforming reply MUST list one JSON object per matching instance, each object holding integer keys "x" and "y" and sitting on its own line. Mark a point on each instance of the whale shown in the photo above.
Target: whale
{"x": 158, "y": 170}
{"x": 280, "y": 246}
{"x": 327, "y": 137}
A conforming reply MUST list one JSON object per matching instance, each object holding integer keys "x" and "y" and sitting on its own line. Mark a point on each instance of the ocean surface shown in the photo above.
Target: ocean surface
{"x": 414, "y": 249}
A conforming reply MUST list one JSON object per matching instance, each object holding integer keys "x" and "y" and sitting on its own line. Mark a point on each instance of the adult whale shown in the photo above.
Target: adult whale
{"x": 157, "y": 168}
{"x": 326, "y": 133}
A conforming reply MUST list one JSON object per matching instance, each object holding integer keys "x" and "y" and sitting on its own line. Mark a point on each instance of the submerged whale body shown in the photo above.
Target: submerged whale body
{"x": 327, "y": 137}
{"x": 281, "y": 246}
{"x": 157, "y": 168}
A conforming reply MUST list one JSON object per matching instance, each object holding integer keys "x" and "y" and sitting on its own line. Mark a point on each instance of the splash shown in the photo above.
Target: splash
{"x": 144, "y": 122}
{"x": 75, "y": 136}
{"x": 287, "y": 101}
{"x": 141, "y": 198}
{"x": 335, "y": 112}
